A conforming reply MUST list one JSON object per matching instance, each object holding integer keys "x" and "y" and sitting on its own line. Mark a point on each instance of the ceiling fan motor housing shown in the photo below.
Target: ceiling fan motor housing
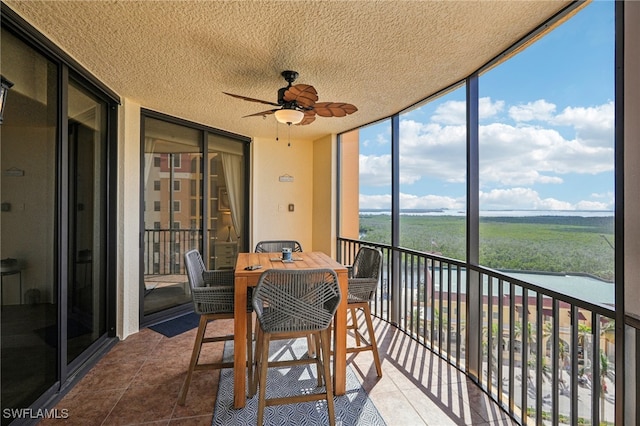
{"x": 289, "y": 76}
{"x": 281, "y": 91}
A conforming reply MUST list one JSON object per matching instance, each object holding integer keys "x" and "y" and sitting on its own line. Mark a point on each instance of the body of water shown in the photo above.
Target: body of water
{"x": 496, "y": 213}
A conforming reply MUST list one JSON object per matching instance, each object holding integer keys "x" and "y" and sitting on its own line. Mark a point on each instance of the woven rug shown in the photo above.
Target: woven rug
{"x": 353, "y": 408}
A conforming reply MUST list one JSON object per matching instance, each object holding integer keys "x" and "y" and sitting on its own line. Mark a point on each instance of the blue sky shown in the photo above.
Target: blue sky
{"x": 546, "y": 131}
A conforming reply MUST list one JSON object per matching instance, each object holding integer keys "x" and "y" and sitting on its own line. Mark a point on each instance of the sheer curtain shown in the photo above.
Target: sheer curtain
{"x": 234, "y": 176}
{"x": 149, "y": 146}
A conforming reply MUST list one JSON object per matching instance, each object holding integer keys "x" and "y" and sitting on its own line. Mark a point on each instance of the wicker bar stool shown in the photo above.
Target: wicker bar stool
{"x": 363, "y": 283}
{"x": 276, "y": 246}
{"x": 288, "y": 304}
{"x": 212, "y": 293}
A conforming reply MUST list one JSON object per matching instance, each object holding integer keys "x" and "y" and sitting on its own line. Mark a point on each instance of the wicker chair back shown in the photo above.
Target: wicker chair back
{"x": 211, "y": 290}
{"x": 364, "y": 274}
{"x": 276, "y": 246}
{"x": 288, "y": 300}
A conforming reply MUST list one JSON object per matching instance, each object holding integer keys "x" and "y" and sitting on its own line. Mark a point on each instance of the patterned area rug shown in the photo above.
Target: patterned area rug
{"x": 353, "y": 408}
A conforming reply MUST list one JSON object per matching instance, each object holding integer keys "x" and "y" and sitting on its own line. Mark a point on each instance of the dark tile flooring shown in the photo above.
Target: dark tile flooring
{"x": 138, "y": 382}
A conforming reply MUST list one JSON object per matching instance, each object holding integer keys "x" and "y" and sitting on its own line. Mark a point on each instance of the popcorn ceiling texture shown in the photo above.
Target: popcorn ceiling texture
{"x": 177, "y": 57}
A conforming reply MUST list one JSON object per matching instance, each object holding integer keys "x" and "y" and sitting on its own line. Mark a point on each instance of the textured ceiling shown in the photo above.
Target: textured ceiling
{"x": 177, "y": 57}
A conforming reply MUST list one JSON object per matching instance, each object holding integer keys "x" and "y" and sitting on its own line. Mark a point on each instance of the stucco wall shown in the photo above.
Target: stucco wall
{"x": 270, "y": 215}
{"x": 324, "y": 178}
{"x": 349, "y": 185}
{"x": 128, "y": 269}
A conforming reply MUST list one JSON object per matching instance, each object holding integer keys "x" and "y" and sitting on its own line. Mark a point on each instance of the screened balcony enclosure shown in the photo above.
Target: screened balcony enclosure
{"x": 498, "y": 257}
{"x": 491, "y": 159}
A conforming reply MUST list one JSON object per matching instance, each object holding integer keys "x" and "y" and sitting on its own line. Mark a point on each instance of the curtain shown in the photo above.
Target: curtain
{"x": 149, "y": 145}
{"x": 232, "y": 165}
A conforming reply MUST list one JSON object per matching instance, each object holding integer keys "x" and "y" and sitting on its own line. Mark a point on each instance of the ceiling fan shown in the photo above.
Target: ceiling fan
{"x": 297, "y": 103}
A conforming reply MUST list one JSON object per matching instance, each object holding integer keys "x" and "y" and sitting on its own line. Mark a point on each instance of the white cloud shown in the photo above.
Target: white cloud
{"x": 594, "y": 125}
{"x": 525, "y": 155}
{"x": 593, "y": 205}
{"x": 608, "y": 195}
{"x": 539, "y": 148}
{"x": 409, "y": 201}
{"x": 537, "y": 110}
{"x": 517, "y": 198}
{"x": 520, "y": 198}
{"x": 510, "y": 154}
{"x": 431, "y": 150}
{"x": 489, "y": 109}
{"x": 450, "y": 112}
{"x": 375, "y": 170}
{"x": 382, "y": 201}
{"x": 455, "y": 113}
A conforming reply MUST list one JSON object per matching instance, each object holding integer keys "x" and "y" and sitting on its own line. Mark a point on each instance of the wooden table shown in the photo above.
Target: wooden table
{"x": 245, "y": 279}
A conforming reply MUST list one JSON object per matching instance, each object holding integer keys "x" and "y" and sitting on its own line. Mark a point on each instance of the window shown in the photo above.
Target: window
{"x": 366, "y": 183}
{"x": 181, "y": 163}
{"x": 156, "y": 161}
{"x": 547, "y": 154}
{"x": 432, "y": 146}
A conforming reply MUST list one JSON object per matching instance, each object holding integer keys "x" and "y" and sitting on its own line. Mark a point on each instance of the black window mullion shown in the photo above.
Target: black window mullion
{"x": 63, "y": 219}
{"x": 204, "y": 179}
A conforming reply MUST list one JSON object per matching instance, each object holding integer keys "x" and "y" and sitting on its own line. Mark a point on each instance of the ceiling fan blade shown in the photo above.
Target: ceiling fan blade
{"x": 309, "y": 117}
{"x": 251, "y": 99}
{"x": 334, "y": 109}
{"x": 303, "y": 94}
{"x": 262, "y": 113}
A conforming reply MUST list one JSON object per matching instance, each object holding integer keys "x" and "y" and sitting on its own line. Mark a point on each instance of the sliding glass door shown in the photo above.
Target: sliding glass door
{"x": 172, "y": 175}
{"x": 29, "y": 302}
{"x": 54, "y": 235}
{"x": 86, "y": 293}
{"x": 189, "y": 198}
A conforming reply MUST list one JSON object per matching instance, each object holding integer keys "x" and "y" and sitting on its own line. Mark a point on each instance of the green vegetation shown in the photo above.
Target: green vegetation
{"x": 562, "y": 244}
{"x": 563, "y": 419}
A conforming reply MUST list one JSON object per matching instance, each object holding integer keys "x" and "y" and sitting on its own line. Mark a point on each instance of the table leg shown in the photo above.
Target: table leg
{"x": 240, "y": 343}
{"x": 340, "y": 338}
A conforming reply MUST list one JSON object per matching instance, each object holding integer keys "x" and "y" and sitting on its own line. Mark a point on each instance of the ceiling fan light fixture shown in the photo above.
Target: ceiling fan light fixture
{"x": 289, "y": 116}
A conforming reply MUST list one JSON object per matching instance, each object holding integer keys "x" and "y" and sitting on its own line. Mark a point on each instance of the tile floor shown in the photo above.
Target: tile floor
{"x": 138, "y": 382}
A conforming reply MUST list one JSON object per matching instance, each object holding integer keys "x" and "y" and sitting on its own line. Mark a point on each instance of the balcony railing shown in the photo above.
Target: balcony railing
{"x": 164, "y": 249}
{"x": 545, "y": 357}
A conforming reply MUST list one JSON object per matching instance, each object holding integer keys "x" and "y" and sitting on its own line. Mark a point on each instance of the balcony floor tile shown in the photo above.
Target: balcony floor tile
{"x": 138, "y": 382}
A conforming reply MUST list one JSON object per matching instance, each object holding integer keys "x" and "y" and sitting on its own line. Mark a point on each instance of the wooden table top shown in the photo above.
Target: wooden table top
{"x": 302, "y": 260}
